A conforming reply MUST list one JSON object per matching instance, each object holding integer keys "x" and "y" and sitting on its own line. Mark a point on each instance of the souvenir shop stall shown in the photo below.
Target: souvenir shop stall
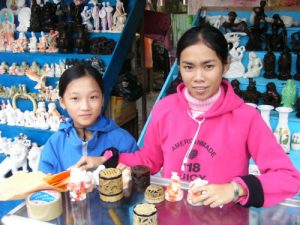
{"x": 41, "y": 38}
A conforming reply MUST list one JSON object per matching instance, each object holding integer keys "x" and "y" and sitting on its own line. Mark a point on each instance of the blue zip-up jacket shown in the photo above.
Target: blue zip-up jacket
{"x": 64, "y": 148}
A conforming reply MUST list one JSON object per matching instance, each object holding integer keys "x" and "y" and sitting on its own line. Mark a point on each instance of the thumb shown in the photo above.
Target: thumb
{"x": 80, "y": 163}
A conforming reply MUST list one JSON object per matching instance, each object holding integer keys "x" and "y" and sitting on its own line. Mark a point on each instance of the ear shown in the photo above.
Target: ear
{"x": 226, "y": 66}
{"x": 62, "y": 104}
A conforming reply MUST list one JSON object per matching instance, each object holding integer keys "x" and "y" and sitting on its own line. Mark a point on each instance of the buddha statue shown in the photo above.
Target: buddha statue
{"x": 284, "y": 65}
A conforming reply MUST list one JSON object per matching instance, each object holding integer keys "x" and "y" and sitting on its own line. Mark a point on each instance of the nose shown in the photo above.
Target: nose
{"x": 199, "y": 76}
{"x": 84, "y": 104}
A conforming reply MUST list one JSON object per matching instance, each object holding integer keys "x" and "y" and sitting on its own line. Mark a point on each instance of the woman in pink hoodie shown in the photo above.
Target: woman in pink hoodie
{"x": 206, "y": 131}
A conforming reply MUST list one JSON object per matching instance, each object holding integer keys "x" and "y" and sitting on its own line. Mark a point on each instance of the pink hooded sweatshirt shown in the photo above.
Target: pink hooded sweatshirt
{"x": 217, "y": 146}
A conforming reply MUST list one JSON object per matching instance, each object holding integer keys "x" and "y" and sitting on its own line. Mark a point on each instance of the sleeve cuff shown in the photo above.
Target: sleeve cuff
{"x": 255, "y": 191}
{"x": 112, "y": 156}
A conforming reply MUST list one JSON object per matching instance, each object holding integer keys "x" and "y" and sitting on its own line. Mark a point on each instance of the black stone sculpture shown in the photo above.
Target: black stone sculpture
{"x": 271, "y": 96}
{"x": 284, "y": 65}
{"x": 231, "y": 26}
{"x": 35, "y": 17}
{"x": 64, "y": 41}
{"x": 236, "y": 87}
{"x": 297, "y": 75}
{"x": 48, "y": 16}
{"x": 298, "y": 107}
{"x": 295, "y": 41}
{"x": 251, "y": 95}
{"x": 269, "y": 65}
{"x": 256, "y": 32}
{"x": 279, "y": 34}
{"x": 81, "y": 42}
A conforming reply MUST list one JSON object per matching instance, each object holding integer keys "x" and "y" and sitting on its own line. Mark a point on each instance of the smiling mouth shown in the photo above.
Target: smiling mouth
{"x": 85, "y": 115}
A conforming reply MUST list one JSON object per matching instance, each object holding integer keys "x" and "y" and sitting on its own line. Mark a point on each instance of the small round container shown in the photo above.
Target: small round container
{"x": 110, "y": 185}
{"x": 145, "y": 214}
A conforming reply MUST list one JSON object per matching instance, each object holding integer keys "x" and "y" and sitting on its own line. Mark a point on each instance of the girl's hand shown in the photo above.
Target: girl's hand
{"x": 89, "y": 162}
{"x": 214, "y": 195}
{"x": 122, "y": 166}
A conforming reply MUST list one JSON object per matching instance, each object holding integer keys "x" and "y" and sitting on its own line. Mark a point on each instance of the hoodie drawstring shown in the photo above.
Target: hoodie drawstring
{"x": 84, "y": 141}
{"x": 187, "y": 154}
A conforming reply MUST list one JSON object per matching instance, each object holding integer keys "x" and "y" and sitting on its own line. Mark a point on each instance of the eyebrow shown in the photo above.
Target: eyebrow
{"x": 204, "y": 62}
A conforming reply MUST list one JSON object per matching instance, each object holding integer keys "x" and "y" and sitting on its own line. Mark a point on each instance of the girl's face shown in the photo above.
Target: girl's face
{"x": 201, "y": 70}
{"x": 83, "y": 100}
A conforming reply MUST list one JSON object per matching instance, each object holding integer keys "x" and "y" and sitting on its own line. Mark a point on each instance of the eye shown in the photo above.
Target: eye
{"x": 209, "y": 66}
{"x": 188, "y": 68}
{"x": 74, "y": 98}
{"x": 94, "y": 97}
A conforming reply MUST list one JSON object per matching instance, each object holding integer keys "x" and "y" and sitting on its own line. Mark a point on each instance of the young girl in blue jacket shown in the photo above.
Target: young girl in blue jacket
{"x": 87, "y": 132}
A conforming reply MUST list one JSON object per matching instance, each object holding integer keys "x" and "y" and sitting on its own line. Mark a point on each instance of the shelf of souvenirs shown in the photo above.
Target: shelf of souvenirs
{"x": 294, "y": 121}
{"x": 43, "y": 58}
{"x": 33, "y": 134}
{"x": 261, "y": 83}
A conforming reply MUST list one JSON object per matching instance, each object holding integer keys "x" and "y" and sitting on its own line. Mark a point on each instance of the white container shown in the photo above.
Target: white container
{"x": 265, "y": 113}
{"x": 296, "y": 141}
{"x": 282, "y": 131}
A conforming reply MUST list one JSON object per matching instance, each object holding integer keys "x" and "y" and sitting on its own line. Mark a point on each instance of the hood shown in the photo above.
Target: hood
{"x": 103, "y": 124}
{"x": 227, "y": 104}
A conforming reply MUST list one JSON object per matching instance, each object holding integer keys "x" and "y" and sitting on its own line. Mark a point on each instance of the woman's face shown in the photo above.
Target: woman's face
{"x": 83, "y": 100}
{"x": 201, "y": 70}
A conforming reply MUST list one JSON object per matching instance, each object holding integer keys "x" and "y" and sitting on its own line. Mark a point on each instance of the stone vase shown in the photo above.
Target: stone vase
{"x": 265, "y": 113}
{"x": 282, "y": 131}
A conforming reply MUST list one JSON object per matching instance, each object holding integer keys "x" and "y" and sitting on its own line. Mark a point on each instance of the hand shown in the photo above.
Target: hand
{"x": 213, "y": 195}
{"x": 122, "y": 166}
{"x": 89, "y": 162}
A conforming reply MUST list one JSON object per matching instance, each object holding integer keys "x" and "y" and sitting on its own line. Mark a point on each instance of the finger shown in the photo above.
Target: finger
{"x": 208, "y": 201}
{"x": 81, "y": 162}
{"x": 215, "y": 204}
{"x": 121, "y": 166}
{"x": 84, "y": 167}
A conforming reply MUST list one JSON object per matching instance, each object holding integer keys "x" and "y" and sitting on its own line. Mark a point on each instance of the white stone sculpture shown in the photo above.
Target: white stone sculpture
{"x": 119, "y": 17}
{"x": 109, "y": 10}
{"x": 295, "y": 144}
{"x": 102, "y": 15}
{"x": 236, "y": 67}
{"x": 174, "y": 192}
{"x": 86, "y": 16}
{"x": 24, "y": 19}
{"x": 95, "y": 15}
{"x": 17, "y": 159}
{"x": 81, "y": 182}
{"x": 34, "y": 157}
{"x": 53, "y": 116}
{"x": 3, "y": 118}
{"x": 3, "y": 67}
{"x": 254, "y": 66}
{"x": 43, "y": 42}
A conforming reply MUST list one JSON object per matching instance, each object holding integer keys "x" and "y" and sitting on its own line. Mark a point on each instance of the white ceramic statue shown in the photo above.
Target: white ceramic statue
{"x": 103, "y": 18}
{"x": 3, "y": 67}
{"x": 17, "y": 159}
{"x": 236, "y": 67}
{"x": 95, "y": 15}
{"x": 295, "y": 144}
{"x": 109, "y": 10}
{"x": 119, "y": 17}
{"x": 254, "y": 66}
{"x": 43, "y": 42}
{"x": 86, "y": 16}
{"x": 81, "y": 182}
{"x": 34, "y": 157}
{"x": 24, "y": 19}
{"x": 174, "y": 193}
